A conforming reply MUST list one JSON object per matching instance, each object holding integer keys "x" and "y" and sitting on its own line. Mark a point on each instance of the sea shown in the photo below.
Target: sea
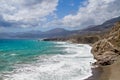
{"x": 44, "y": 60}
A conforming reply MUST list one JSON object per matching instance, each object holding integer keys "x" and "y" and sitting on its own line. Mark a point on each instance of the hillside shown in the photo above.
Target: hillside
{"x": 106, "y": 25}
{"x": 107, "y": 53}
{"x": 106, "y": 50}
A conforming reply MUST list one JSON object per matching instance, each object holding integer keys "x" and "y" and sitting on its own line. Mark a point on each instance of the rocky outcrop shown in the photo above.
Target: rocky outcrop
{"x": 84, "y": 39}
{"x": 106, "y": 51}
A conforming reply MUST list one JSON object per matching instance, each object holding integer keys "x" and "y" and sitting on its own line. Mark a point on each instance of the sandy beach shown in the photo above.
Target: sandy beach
{"x": 96, "y": 74}
{"x": 110, "y": 72}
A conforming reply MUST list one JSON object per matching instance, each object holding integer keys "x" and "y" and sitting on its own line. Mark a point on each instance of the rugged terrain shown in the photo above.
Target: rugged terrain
{"x": 107, "y": 53}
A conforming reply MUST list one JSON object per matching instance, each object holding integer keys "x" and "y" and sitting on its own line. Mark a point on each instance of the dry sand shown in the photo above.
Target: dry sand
{"x": 110, "y": 72}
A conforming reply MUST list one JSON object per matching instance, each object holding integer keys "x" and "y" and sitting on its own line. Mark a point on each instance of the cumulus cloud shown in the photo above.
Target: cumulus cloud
{"x": 27, "y": 11}
{"x": 93, "y": 12}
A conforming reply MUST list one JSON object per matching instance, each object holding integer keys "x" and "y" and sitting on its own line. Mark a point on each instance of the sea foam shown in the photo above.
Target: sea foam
{"x": 74, "y": 64}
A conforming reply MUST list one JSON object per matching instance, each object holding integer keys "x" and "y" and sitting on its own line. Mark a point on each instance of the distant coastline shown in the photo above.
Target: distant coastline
{"x": 108, "y": 62}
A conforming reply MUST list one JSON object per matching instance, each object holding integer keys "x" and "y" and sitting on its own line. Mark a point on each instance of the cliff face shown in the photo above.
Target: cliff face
{"x": 107, "y": 51}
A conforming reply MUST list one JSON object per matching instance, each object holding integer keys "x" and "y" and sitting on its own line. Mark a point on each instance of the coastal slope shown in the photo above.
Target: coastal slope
{"x": 107, "y": 53}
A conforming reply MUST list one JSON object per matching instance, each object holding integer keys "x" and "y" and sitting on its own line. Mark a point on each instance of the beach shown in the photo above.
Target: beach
{"x": 96, "y": 74}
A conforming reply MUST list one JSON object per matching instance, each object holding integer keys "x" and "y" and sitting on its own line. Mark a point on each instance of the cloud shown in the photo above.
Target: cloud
{"x": 92, "y": 12}
{"x": 27, "y": 13}
{"x": 30, "y": 12}
{"x": 4, "y": 23}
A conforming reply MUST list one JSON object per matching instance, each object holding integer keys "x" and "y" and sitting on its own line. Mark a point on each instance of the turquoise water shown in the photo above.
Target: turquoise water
{"x": 22, "y": 51}
{"x": 39, "y": 60}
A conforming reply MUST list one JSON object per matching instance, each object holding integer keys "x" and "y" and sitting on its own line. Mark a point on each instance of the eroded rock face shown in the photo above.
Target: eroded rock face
{"x": 106, "y": 51}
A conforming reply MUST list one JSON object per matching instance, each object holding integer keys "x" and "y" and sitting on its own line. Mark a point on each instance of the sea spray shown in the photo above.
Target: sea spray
{"x": 66, "y": 61}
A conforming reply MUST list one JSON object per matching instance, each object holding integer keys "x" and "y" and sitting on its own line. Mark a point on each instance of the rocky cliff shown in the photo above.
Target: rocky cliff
{"x": 107, "y": 53}
{"x": 107, "y": 50}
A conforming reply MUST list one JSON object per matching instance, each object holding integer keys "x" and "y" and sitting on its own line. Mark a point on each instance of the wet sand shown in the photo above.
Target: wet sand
{"x": 96, "y": 74}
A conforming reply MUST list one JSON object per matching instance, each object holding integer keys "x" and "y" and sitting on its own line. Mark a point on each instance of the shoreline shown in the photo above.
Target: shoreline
{"x": 96, "y": 74}
{"x": 100, "y": 72}
{"x": 106, "y": 50}
{"x": 96, "y": 71}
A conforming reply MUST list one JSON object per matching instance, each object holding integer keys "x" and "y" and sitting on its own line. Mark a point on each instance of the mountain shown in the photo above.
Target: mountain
{"x": 60, "y": 32}
{"x": 57, "y": 32}
{"x": 106, "y": 25}
{"x": 89, "y": 35}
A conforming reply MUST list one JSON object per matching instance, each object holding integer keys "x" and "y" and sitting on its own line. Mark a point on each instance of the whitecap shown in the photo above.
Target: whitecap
{"x": 73, "y": 65}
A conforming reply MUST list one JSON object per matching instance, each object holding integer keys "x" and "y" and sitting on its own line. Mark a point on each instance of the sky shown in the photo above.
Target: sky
{"x": 27, "y": 15}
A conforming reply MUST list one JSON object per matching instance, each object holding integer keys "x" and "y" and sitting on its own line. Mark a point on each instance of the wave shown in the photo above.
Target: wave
{"x": 73, "y": 65}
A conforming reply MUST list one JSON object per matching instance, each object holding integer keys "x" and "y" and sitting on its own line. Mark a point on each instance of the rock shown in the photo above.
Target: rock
{"x": 84, "y": 39}
{"x": 106, "y": 51}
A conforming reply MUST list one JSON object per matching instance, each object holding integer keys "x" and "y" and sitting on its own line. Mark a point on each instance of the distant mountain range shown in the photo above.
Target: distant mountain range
{"x": 60, "y": 32}
{"x": 57, "y": 32}
{"x": 106, "y": 25}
